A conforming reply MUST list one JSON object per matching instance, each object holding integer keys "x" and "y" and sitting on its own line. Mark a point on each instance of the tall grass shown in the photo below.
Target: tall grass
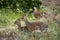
{"x": 7, "y": 16}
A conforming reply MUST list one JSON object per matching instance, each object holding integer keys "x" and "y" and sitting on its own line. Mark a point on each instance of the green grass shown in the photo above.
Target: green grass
{"x": 7, "y": 18}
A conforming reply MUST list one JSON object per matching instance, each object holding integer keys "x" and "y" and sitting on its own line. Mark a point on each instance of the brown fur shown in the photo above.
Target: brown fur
{"x": 36, "y": 13}
{"x": 35, "y": 26}
{"x": 31, "y": 26}
{"x": 17, "y": 22}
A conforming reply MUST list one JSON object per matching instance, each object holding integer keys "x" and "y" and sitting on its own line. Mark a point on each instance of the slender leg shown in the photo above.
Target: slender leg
{"x": 32, "y": 34}
{"x": 47, "y": 36}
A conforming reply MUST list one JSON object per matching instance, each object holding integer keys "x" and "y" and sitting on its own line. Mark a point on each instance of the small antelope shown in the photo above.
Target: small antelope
{"x": 33, "y": 26}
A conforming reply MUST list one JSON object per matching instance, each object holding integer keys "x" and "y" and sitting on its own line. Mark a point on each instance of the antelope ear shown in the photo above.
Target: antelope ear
{"x": 35, "y": 8}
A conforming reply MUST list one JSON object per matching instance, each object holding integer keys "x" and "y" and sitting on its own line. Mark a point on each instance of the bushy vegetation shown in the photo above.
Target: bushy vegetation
{"x": 10, "y": 10}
